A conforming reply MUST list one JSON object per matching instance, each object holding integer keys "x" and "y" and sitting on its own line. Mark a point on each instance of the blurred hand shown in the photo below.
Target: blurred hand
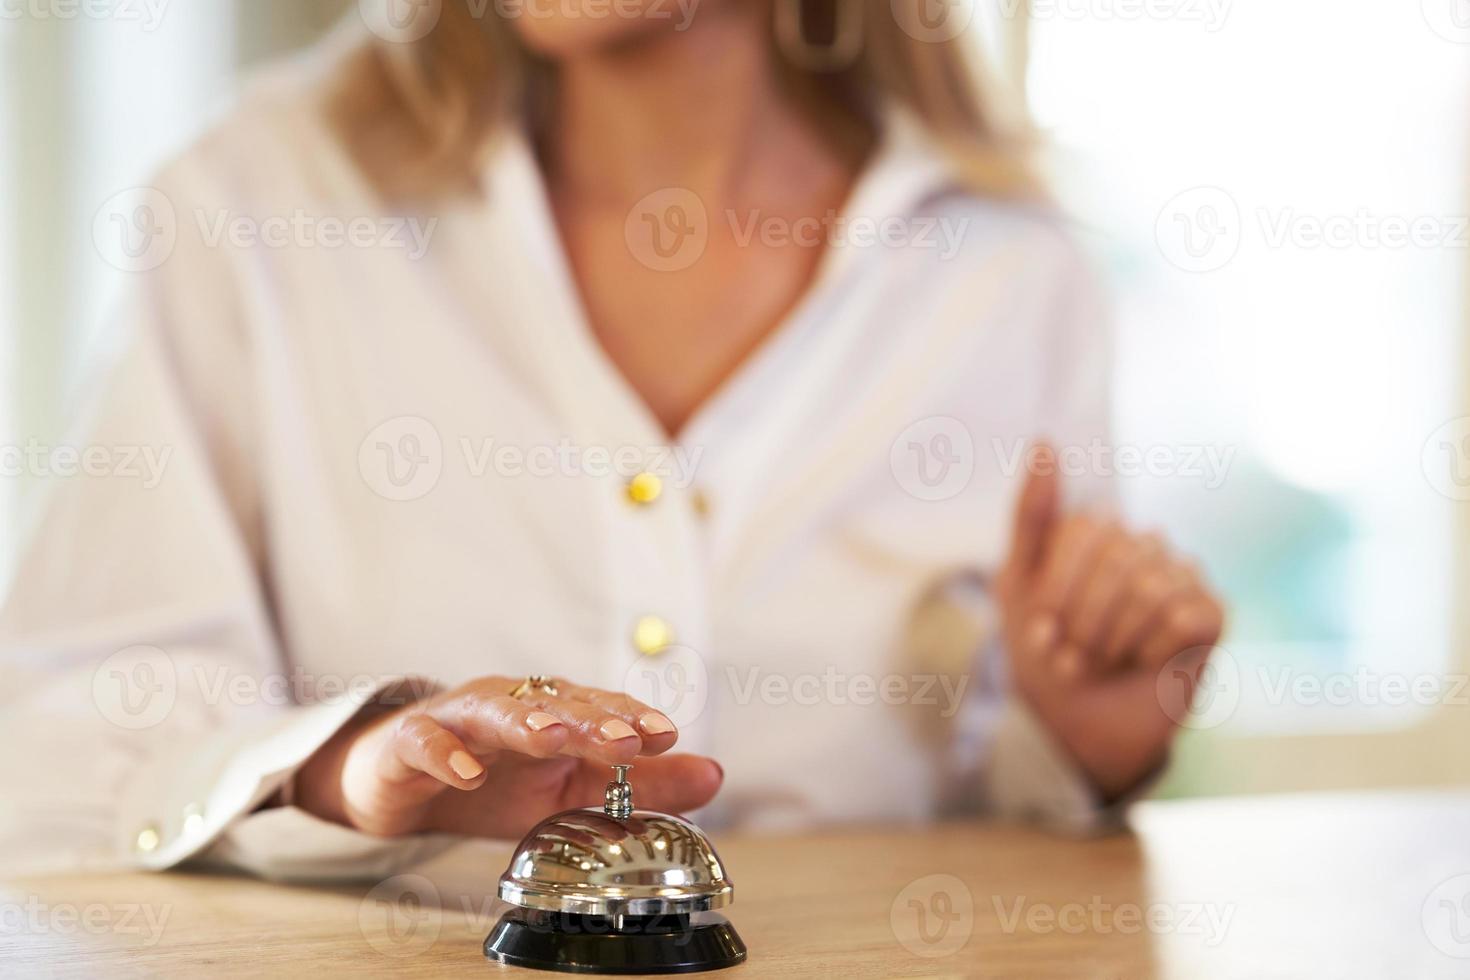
{"x": 477, "y": 761}
{"x": 1092, "y": 613}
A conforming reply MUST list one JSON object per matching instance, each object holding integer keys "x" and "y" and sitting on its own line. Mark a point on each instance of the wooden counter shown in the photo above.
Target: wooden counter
{"x": 1311, "y": 886}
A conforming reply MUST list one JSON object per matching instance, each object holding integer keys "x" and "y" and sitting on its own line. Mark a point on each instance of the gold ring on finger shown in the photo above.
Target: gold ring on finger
{"x": 536, "y": 682}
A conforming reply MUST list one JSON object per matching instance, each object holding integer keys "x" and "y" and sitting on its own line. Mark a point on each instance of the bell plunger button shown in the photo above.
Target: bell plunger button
{"x": 617, "y": 801}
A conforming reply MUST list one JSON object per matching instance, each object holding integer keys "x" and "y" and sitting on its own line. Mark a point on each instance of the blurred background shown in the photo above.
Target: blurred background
{"x": 1277, "y": 194}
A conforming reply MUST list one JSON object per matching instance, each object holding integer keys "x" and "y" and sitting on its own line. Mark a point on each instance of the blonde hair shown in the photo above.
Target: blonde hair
{"x": 418, "y": 117}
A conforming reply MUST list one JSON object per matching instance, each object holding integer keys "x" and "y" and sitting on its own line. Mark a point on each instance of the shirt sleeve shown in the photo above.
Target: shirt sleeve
{"x": 146, "y": 704}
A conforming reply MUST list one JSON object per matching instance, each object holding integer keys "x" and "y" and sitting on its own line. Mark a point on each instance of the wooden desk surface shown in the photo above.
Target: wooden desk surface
{"x": 1310, "y": 886}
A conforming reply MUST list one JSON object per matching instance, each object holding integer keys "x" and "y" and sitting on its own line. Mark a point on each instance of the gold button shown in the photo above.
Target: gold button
{"x": 700, "y": 501}
{"x": 651, "y": 635}
{"x": 148, "y": 839}
{"x": 645, "y": 488}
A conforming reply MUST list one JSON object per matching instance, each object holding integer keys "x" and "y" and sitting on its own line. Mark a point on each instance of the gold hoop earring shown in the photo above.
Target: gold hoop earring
{"x": 841, "y": 52}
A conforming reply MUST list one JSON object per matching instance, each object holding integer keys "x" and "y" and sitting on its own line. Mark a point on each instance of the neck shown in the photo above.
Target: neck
{"x": 697, "y": 109}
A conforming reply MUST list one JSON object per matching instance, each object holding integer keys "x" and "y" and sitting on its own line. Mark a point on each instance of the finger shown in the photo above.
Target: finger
{"x": 595, "y": 733}
{"x": 1036, "y": 510}
{"x": 488, "y": 720}
{"x": 1079, "y": 658}
{"x": 1187, "y": 667}
{"x": 1071, "y": 554}
{"x": 1189, "y": 623}
{"x": 671, "y": 783}
{"x": 1150, "y": 589}
{"x": 658, "y": 733}
{"x": 421, "y": 746}
{"x": 1069, "y": 662}
{"x": 1102, "y": 595}
{"x": 1040, "y": 636}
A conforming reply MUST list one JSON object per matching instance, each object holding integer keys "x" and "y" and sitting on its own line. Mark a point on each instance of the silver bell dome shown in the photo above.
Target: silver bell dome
{"x": 616, "y": 861}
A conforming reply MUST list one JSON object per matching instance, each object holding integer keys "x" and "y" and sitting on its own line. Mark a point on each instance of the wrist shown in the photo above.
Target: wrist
{"x": 319, "y": 786}
{"x": 1114, "y": 764}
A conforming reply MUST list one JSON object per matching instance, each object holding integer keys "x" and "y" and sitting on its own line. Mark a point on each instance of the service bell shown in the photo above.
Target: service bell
{"x": 616, "y": 890}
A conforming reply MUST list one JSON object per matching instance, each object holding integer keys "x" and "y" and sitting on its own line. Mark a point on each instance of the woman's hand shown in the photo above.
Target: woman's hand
{"x": 477, "y": 761}
{"x": 1092, "y": 614}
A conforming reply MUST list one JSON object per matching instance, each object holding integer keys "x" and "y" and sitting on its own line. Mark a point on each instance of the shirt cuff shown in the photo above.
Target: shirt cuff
{"x": 200, "y": 802}
{"x": 290, "y": 845}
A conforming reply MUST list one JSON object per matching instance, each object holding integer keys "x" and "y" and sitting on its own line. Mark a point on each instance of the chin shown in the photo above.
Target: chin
{"x": 560, "y": 37}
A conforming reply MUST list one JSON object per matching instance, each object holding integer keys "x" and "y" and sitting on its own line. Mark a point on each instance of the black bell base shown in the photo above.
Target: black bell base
{"x": 630, "y": 944}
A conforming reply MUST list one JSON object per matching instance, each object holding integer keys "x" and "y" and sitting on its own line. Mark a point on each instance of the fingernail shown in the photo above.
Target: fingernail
{"x": 538, "y": 720}
{"x": 617, "y": 730}
{"x": 465, "y": 766}
{"x": 654, "y": 723}
{"x": 719, "y": 769}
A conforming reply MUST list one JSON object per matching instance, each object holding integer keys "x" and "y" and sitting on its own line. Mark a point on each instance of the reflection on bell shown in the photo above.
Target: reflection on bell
{"x": 616, "y": 890}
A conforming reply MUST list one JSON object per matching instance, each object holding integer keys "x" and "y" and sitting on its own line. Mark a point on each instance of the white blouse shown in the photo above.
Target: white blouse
{"x": 366, "y": 446}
